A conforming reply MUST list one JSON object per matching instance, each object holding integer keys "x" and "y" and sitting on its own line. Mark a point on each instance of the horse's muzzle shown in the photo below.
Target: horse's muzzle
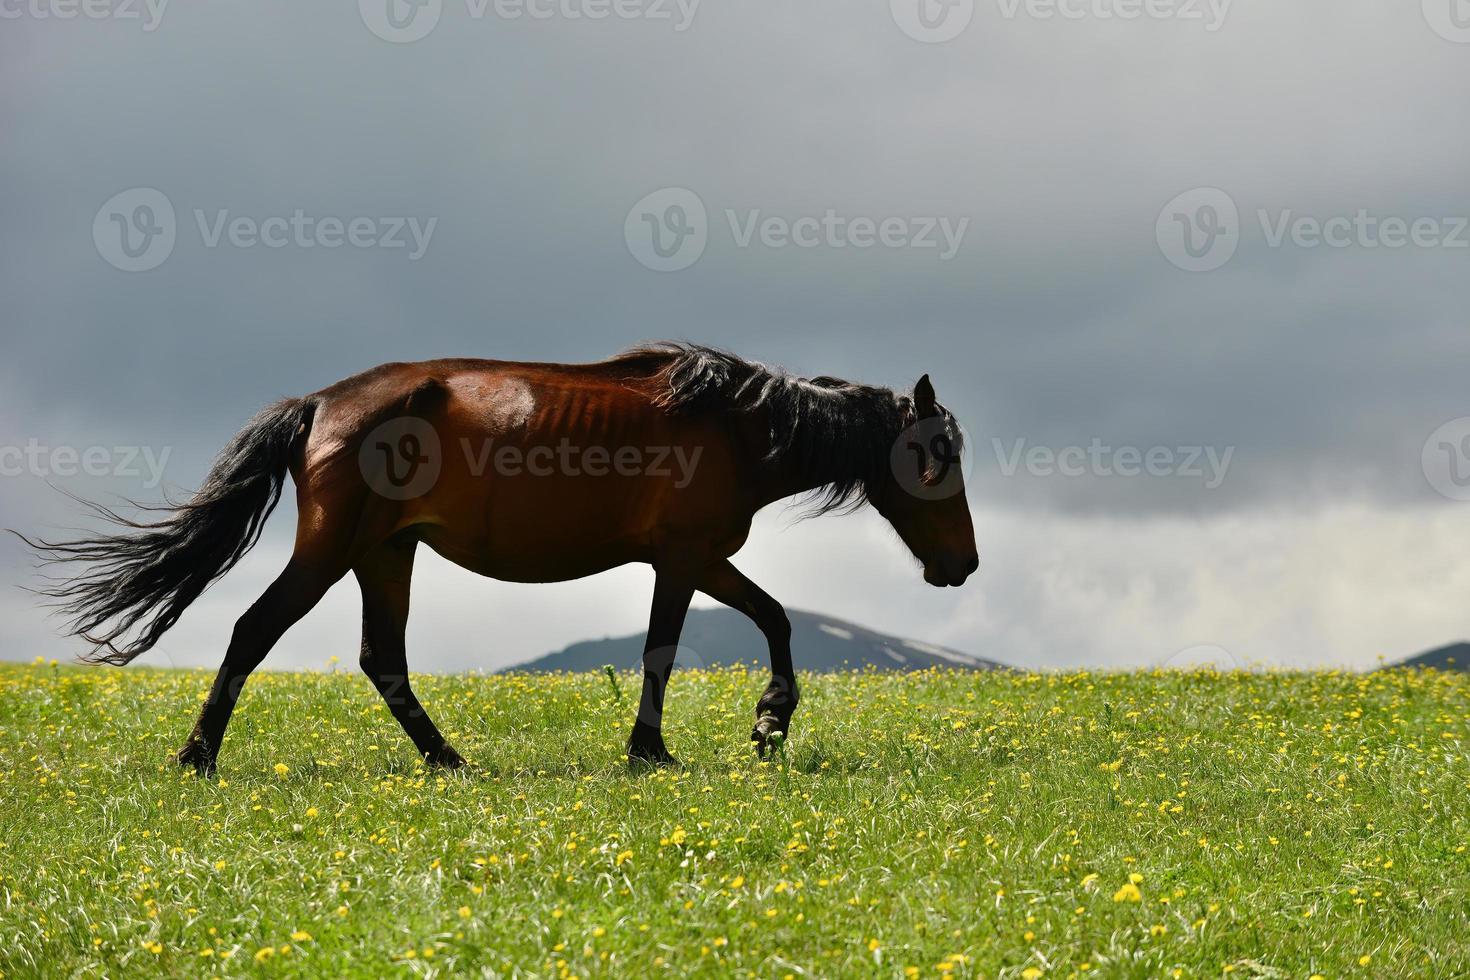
{"x": 944, "y": 572}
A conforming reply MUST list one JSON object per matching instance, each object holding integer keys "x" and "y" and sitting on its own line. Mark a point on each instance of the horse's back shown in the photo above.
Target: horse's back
{"x": 539, "y": 471}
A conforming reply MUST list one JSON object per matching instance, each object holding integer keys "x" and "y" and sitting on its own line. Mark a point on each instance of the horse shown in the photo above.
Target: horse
{"x": 524, "y": 472}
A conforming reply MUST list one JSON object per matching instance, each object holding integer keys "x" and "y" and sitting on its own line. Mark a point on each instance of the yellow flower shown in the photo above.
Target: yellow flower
{"x": 1030, "y": 973}
{"x": 464, "y": 911}
{"x": 311, "y": 811}
{"x": 282, "y": 769}
{"x": 153, "y": 947}
{"x": 1365, "y": 959}
{"x": 624, "y": 856}
{"x": 264, "y": 953}
{"x": 301, "y": 936}
{"x": 737, "y": 881}
{"x": 1128, "y": 893}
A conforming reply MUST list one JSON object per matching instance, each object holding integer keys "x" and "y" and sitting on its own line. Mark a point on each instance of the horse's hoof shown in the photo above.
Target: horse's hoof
{"x": 651, "y": 757}
{"x": 646, "y": 747}
{"x": 762, "y": 735}
{"x": 650, "y": 752}
{"x": 445, "y": 758}
{"x": 194, "y": 756}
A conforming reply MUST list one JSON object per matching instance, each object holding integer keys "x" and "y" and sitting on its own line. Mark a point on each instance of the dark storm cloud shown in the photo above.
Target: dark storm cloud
{"x": 1057, "y": 325}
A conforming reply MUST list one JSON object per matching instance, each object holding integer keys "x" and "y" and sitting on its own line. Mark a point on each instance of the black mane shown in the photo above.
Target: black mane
{"x": 839, "y": 433}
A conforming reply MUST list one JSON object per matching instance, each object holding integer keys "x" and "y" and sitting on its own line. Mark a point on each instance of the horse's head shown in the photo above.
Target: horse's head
{"x": 922, "y": 493}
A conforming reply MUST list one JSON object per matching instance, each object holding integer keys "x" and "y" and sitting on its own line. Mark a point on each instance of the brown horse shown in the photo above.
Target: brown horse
{"x": 528, "y": 473}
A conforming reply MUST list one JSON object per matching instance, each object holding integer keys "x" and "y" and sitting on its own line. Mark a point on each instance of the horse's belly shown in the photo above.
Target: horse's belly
{"x": 522, "y": 536}
{"x": 532, "y": 565}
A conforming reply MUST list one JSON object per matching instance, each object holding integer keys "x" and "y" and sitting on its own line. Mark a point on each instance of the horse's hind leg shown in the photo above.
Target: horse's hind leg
{"x": 723, "y": 582}
{"x": 292, "y": 595}
{"x": 384, "y": 576}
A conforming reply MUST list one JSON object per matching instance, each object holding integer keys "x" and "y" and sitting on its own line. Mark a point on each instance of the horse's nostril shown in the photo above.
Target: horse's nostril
{"x": 973, "y": 564}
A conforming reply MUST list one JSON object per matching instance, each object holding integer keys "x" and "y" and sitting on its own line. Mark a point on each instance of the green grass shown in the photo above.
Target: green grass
{"x": 1278, "y": 825}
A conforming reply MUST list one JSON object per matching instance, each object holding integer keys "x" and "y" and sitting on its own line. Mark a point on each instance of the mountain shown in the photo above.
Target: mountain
{"x": 723, "y": 636}
{"x": 1456, "y": 656}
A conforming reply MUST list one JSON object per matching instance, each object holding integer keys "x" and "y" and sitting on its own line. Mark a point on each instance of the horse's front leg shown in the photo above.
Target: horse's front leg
{"x": 724, "y": 583}
{"x": 671, "y": 595}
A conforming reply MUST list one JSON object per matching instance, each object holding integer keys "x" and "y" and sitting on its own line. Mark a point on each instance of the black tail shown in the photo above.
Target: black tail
{"x": 145, "y": 576}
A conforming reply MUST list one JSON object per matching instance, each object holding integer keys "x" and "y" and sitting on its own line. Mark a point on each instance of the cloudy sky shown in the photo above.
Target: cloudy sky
{"x": 1226, "y": 237}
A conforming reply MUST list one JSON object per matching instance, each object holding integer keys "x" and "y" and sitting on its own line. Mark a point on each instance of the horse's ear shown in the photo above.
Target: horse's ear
{"x": 924, "y": 398}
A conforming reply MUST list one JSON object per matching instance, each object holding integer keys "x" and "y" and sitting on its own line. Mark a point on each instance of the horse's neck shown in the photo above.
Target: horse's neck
{"x": 782, "y": 479}
{"x": 788, "y": 476}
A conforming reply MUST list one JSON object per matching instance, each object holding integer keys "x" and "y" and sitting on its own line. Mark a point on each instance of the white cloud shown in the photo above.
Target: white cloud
{"x": 1338, "y": 588}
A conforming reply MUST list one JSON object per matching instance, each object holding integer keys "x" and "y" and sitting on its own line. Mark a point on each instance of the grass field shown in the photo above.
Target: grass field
{"x": 1066, "y": 825}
